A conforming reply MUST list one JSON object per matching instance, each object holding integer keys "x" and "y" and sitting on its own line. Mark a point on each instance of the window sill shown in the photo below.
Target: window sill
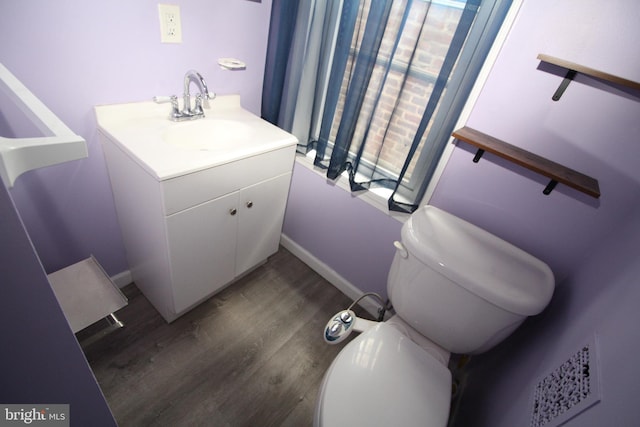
{"x": 376, "y": 197}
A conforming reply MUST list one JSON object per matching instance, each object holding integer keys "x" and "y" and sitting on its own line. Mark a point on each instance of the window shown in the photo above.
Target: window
{"x": 376, "y": 86}
{"x": 413, "y": 67}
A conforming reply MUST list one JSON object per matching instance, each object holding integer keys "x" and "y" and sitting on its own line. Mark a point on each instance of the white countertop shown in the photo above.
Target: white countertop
{"x": 167, "y": 149}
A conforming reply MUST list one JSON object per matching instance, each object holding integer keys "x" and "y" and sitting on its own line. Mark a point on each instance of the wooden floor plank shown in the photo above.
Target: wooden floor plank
{"x": 252, "y": 355}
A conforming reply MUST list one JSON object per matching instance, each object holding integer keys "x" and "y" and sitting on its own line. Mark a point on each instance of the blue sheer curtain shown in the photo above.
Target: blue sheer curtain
{"x": 375, "y": 87}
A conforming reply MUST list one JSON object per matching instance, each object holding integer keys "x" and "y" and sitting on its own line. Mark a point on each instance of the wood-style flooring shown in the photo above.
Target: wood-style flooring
{"x": 252, "y": 355}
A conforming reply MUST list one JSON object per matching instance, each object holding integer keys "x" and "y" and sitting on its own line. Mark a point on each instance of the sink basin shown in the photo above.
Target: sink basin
{"x": 208, "y": 134}
{"x": 168, "y": 149}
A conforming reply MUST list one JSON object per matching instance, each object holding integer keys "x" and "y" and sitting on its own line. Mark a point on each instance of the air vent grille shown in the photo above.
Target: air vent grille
{"x": 568, "y": 390}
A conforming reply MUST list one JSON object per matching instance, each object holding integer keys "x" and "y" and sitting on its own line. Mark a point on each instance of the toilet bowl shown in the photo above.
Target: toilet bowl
{"x": 382, "y": 378}
{"x": 455, "y": 288}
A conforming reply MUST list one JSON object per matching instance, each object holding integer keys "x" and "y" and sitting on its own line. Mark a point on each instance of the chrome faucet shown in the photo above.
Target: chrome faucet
{"x": 194, "y": 76}
{"x": 187, "y": 112}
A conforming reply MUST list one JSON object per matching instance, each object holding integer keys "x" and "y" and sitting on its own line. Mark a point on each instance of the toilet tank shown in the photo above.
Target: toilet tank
{"x": 462, "y": 287}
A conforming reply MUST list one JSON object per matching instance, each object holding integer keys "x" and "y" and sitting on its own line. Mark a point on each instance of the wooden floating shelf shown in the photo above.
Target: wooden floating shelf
{"x": 556, "y": 172}
{"x": 577, "y": 68}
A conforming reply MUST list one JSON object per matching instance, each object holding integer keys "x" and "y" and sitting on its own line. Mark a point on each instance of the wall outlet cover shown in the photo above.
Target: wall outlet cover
{"x": 170, "y": 25}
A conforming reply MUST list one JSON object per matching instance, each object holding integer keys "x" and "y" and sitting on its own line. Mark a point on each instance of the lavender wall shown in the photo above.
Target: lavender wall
{"x": 77, "y": 54}
{"x": 41, "y": 361}
{"x": 592, "y": 129}
{"x": 592, "y": 245}
{"x": 600, "y": 299}
{"x": 345, "y": 233}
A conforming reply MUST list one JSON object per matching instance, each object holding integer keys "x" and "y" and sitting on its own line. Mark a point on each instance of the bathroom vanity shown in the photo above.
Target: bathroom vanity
{"x": 200, "y": 203}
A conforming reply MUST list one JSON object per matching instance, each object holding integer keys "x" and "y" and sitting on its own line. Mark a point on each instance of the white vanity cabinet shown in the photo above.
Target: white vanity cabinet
{"x": 191, "y": 230}
{"x": 214, "y": 242}
{"x": 260, "y": 214}
{"x": 202, "y": 250}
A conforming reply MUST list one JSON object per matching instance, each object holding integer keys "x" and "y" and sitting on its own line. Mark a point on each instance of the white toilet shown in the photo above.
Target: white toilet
{"x": 455, "y": 288}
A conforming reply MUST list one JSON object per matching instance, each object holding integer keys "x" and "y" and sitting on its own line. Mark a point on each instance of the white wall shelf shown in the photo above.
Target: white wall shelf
{"x": 86, "y": 295}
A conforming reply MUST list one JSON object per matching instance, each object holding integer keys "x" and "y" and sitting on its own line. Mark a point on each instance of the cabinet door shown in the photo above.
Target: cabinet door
{"x": 202, "y": 246}
{"x": 261, "y": 213}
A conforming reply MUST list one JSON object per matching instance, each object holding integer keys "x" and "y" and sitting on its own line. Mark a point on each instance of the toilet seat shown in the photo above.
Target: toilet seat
{"x": 382, "y": 378}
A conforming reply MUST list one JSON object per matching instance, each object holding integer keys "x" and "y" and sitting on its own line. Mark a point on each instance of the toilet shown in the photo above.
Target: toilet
{"x": 455, "y": 288}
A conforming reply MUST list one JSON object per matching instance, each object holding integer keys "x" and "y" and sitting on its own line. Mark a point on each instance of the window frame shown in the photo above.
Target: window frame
{"x": 373, "y": 196}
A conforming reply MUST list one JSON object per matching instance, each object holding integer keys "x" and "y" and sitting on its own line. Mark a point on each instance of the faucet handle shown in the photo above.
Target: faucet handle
{"x": 206, "y": 97}
{"x": 198, "y": 107}
{"x": 175, "y": 106}
{"x": 173, "y": 99}
{"x": 163, "y": 99}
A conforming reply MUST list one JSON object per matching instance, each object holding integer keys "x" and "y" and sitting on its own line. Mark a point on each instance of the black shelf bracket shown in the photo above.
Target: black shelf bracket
{"x": 478, "y": 155}
{"x": 554, "y": 171}
{"x": 563, "y": 86}
{"x": 549, "y": 188}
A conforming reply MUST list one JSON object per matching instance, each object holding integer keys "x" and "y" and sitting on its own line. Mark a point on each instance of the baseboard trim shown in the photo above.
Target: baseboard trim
{"x": 125, "y": 278}
{"x": 122, "y": 279}
{"x": 329, "y": 274}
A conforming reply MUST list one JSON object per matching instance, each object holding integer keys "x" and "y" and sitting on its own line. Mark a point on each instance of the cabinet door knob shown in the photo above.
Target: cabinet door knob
{"x": 233, "y": 211}
{"x": 249, "y": 204}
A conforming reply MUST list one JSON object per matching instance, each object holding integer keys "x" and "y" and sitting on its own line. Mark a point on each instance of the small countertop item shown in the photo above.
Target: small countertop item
{"x": 232, "y": 64}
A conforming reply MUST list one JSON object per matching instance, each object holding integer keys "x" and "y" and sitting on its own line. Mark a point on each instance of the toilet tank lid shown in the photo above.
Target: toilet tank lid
{"x": 482, "y": 263}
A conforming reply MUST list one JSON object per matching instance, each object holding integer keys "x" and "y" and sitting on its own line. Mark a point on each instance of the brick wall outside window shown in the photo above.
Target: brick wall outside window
{"x": 401, "y": 125}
